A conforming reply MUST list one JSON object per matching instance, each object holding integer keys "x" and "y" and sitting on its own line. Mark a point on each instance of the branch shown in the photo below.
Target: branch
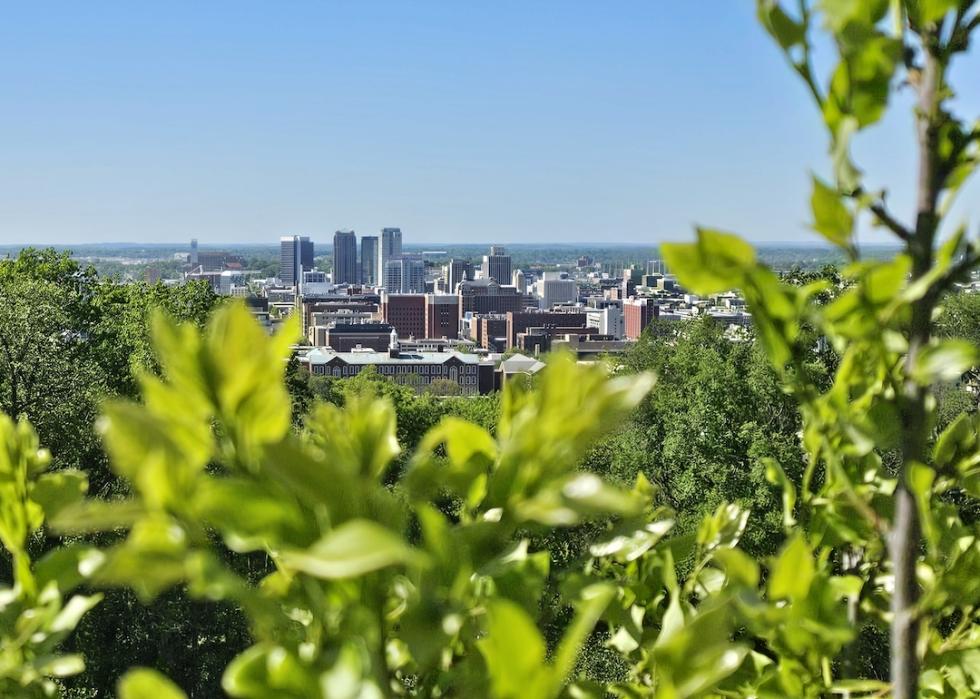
{"x": 890, "y": 222}
{"x": 969, "y": 261}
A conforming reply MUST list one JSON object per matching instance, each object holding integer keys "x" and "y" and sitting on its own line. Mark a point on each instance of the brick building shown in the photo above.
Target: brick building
{"x": 520, "y": 321}
{"x": 482, "y": 296}
{"x": 404, "y": 312}
{"x": 442, "y": 315}
{"x": 638, "y": 313}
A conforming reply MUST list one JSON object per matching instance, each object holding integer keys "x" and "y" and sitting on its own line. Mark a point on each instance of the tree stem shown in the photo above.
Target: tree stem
{"x": 905, "y": 536}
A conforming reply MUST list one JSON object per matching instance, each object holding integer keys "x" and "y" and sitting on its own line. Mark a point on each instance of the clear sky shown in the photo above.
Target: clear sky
{"x": 457, "y": 121}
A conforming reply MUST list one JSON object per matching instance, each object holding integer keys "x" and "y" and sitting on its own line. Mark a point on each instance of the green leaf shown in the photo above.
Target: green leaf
{"x": 60, "y": 666}
{"x": 716, "y": 262}
{"x": 69, "y": 616}
{"x": 831, "y": 218}
{"x": 793, "y": 571}
{"x": 513, "y": 650}
{"x": 931, "y": 11}
{"x": 723, "y": 528}
{"x": 97, "y": 516}
{"x": 739, "y": 566}
{"x": 57, "y": 490}
{"x": 267, "y": 670}
{"x": 67, "y": 566}
{"x": 592, "y": 602}
{"x": 945, "y": 362}
{"x": 160, "y": 455}
{"x": 787, "y": 32}
{"x": 841, "y": 13}
{"x": 360, "y": 438}
{"x": 353, "y": 549}
{"x": 629, "y": 542}
{"x": 777, "y": 476}
{"x": 251, "y": 515}
{"x": 143, "y": 683}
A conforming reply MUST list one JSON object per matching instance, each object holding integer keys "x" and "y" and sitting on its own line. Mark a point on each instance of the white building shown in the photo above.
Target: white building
{"x": 554, "y": 288}
{"x": 608, "y": 320}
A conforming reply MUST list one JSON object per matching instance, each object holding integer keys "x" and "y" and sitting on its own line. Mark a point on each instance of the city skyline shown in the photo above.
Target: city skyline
{"x": 550, "y": 123}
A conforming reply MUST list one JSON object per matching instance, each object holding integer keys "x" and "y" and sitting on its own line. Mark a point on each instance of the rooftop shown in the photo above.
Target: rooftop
{"x": 322, "y": 355}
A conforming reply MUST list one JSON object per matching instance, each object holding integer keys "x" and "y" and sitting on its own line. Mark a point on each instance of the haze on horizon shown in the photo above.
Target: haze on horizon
{"x": 520, "y": 122}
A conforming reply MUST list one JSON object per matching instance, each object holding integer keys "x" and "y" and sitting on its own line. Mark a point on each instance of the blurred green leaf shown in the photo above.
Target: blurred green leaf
{"x": 353, "y": 549}
{"x": 143, "y": 683}
{"x": 792, "y": 571}
{"x": 831, "y": 218}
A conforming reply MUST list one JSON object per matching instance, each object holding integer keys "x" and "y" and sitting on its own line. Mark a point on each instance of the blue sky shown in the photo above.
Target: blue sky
{"x": 458, "y": 121}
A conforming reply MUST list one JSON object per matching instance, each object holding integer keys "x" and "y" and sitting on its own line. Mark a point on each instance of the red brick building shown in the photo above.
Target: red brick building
{"x": 441, "y": 316}
{"x": 521, "y": 321}
{"x": 404, "y": 312}
{"x": 638, "y": 313}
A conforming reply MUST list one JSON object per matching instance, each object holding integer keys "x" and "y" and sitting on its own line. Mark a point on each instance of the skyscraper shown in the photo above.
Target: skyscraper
{"x": 390, "y": 248}
{"x": 519, "y": 281}
{"x": 413, "y": 274}
{"x": 497, "y": 266}
{"x": 405, "y": 275}
{"x": 193, "y": 258}
{"x": 344, "y": 257}
{"x": 457, "y": 271}
{"x": 369, "y": 260}
{"x": 295, "y": 255}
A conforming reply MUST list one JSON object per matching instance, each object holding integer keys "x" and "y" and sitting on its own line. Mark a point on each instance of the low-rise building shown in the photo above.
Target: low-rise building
{"x": 344, "y": 337}
{"x": 416, "y": 369}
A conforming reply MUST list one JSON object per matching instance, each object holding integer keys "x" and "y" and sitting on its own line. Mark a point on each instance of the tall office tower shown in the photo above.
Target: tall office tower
{"x": 405, "y": 275}
{"x": 413, "y": 274}
{"x": 193, "y": 258}
{"x": 306, "y": 254}
{"x": 390, "y": 247}
{"x": 520, "y": 281}
{"x": 456, "y": 272}
{"x": 369, "y": 260}
{"x": 391, "y": 278}
{"x": 496, "y": 265}
{"x": 295, "y": 255}
{"x": 344, "y": 257}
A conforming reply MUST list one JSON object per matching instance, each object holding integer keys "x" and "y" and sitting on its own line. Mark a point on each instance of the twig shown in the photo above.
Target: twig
{"x": 890, "y": 222}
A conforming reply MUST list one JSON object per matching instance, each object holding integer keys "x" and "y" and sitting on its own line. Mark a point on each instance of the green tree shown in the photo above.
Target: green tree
{"x": 704, "y": 434}
{"x": 876, "y": 522}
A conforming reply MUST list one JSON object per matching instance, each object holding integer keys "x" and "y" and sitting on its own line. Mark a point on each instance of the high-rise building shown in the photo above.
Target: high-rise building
{"x": 456, "y": 272}
{"x": 556, "y": 287}
{"x": 295, "y": 255}
{"x": 344, "y": 257}
{"x": 519, "y": 281}
{"x": 441, "y": 315}
{"x": 413, "y": 274}
{"x": 405, "y": 313}
{"x": 369, "y": 260}
{"x": 391, "y": 278}
{"x": 405, "y": 275}
{"x": 497, "y": 265}
{"x": 193, "y": 257}
{"x": 389, "y": 248}
{"x": 638, "y": 313}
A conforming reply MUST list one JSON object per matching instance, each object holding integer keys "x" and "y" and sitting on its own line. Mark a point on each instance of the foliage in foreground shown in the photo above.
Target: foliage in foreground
{"x": 433, "y": 587}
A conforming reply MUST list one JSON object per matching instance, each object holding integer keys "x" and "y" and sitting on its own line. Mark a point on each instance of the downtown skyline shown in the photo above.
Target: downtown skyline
{"x": 544, "y": 124}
